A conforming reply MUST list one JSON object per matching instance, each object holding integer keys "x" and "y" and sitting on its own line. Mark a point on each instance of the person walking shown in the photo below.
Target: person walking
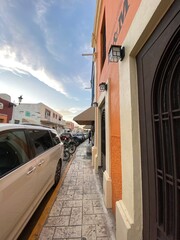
{"x": 89, "y": 136}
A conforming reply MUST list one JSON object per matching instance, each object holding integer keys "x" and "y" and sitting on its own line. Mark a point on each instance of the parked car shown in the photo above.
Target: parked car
{"x": 86, "y": 135}
{"x": 80, "y": 136}
{"x": 30, "y": 164}
{"x": 76, "y": 139}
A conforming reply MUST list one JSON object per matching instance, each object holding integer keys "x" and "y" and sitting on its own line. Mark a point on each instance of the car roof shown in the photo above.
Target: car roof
{"x": 9, "y": 126}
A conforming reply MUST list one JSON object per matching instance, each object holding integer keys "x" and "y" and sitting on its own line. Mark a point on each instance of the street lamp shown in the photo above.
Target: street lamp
{"x": 20, "y": 99}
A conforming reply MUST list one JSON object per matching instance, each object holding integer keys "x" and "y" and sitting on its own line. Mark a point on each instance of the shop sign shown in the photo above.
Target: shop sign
{"x": 121, "y": 19}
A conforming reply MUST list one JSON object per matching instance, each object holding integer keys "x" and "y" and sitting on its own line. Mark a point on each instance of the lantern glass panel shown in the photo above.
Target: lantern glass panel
{"x": 114, "y": 53}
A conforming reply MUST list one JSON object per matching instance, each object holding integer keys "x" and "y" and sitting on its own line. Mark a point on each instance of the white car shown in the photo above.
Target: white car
{"x": 30, "y": 164}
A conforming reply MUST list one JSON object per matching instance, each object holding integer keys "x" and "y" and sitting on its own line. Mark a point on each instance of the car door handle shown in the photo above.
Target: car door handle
{"x": 40, "y": 163}
{"x": 31, "y": 170}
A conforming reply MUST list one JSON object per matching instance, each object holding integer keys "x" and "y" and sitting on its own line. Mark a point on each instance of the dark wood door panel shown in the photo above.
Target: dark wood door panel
{"x": 147, "y": 62}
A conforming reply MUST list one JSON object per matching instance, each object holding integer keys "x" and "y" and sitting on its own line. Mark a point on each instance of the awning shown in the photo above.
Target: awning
{"x": 86, "y": 118}
{"x": 87, "y": 127}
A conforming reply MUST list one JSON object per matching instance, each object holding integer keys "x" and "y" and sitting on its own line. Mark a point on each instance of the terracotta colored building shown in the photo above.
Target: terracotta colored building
{"x": 6, "y": 110}
{"x": 137, "y": 116}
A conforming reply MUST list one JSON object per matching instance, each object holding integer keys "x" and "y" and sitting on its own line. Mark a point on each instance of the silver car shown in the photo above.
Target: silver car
{"x": 30, "y": 164}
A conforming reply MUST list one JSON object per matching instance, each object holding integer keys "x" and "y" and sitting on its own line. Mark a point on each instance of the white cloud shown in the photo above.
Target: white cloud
{"x": 87, "y": 48}
{"x": 41, "y": 9}
{"x": 82, "y": 83}
{"x": 75, "y": 110}
{"x": 70, "y": 113}
{"x": 8, "y": 61}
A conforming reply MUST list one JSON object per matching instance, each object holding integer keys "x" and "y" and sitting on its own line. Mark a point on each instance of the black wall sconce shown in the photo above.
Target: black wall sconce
{"x": 116, "y": 53}
{"x": 95, "y": 104}
{"x": 103, "y": 86}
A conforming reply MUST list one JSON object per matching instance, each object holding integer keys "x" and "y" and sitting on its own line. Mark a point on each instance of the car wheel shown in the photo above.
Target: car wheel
{"x": 58, "y": 173}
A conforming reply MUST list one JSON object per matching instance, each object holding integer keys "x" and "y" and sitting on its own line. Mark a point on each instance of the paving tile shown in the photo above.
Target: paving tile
{"x": 88, "y": 209}
{"x": 75, "y": 203}
{"x": 101, "y": 219}
{"x": 94, "y": 219}
{"x": 88, "y": 219}
{"x": 73, "y": 174}
{"x": 65, "y": 197}
{"x": 68, "y": 232}
{"x": 81, "y": 176}
{"x": 91, "y": 196}
{"x": 97, "y": 203}
{"x": 101, "y": 231}
{"x": 89, "y": 232}
{"x": 65, "y": 211}
{"x": 80, "y": 173}
{"x": 87, "y": 202}
{"x": 80, "y": 181}
{"x": 58, "y": 221}
{"x": 90, "y": 191}
{"x": 56, "y": 209}
{"x": 74, "y": 239}
{"x": 76, "y": 216}
{"x": 70, "y": 182}
{"x": 98, "y": 210}
{"x": 78, "y": 197}
{"x": 76, "y": 187}
{"x": 103, "y": 238}
{"x": 60, "y": 239}
{"x": 70, "y": 191}
{"x": 47, "y": 233}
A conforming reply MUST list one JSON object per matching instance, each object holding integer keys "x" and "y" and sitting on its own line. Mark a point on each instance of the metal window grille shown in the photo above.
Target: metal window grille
{"x": 166, "y": 125}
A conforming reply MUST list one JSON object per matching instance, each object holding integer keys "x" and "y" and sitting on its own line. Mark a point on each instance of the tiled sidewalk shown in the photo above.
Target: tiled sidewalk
{"x": 78, "y": 212}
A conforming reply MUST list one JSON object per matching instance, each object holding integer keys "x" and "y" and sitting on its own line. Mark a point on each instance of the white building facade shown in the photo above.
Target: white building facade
{"x": 38, "y": 114}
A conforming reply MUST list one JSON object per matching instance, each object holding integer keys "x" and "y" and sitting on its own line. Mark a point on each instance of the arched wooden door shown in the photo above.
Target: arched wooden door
{"x": 159, "y": 104}
{"x": 166, "y": 133}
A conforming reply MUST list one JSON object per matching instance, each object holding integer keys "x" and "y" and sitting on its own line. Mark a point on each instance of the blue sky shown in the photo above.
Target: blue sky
{"x": 41, "y": 46}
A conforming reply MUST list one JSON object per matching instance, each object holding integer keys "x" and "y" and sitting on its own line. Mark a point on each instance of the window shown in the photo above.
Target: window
{"x": 41, "y": 140}
{"x": 47, "y": 114}
{"x": 16, "y": 121}
{"x": 55, "y": 138}
{"x": 103, "y": 42}
{"x": 13, "y": 151}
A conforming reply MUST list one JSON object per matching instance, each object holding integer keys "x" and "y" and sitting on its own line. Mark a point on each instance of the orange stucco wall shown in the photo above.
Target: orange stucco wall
{"x": 112, "y": 10}
{"x": 3, "y": 118}
{"x": 6, "y": 111}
